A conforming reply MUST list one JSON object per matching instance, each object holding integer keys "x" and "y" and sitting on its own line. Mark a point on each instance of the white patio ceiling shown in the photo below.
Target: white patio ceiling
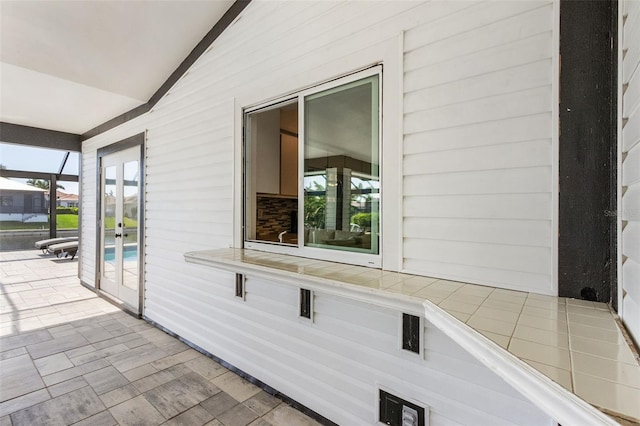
{"x": 73, "y": 65}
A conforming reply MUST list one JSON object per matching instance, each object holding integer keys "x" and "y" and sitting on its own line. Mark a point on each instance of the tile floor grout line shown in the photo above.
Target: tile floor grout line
{"x": 41, "y": 279}
{"x": 569, "y": 343}
{"x": 56, "y": 304}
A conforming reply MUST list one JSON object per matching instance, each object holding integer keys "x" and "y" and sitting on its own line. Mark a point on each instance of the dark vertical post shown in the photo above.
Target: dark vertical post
{"x": 340, "y": 199}
{"x": 80, "y": 216}
{"x": 53, "y": 202}
{"x": 587, "y": 222}
{"x": 613, "y": 157}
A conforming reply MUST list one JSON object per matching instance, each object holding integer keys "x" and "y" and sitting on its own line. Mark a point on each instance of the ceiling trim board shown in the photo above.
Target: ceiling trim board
{"x": 117, "y": 121}
{"x": 42, "y": 138}
{"x": 215, "y": 32}
{"x": 227, "y": 19}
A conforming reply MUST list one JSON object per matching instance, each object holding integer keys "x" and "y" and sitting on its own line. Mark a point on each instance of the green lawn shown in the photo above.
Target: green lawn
{"x": 63, "y": 221}
{"x": 6, "y": 225}
{"x": 67, "y": 221}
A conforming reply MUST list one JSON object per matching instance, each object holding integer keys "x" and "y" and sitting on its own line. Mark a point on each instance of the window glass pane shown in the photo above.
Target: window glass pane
{"x": 341, "y": 168}
{"x": 130, "y": 192}
{"x": 110, "y": 195}
{"x": 271, "y": 174}
{"x": 27, "y": 158}
{"x": 67, "y": 194}
{"x": 67, "y": 203}
{"x": 22, "y": 207}
{"x": 72, "y": 164}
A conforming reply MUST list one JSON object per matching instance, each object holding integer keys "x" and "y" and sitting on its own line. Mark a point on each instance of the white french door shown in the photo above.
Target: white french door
{"x": 120, "y": 215}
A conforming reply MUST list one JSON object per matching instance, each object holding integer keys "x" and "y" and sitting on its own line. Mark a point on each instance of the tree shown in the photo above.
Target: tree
{"x": 42, "y": 184}
{"x": 314, "y": 208}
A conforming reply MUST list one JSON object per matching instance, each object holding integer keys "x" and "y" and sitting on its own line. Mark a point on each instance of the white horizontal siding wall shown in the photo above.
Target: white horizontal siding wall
{"x": 477, "y": 125}
{"x": 191, "y": 141}
{"x": 336, "y": 364}
{"x": 88, "y": 224}
{"x": 278, "y": 47}
{"x": 478, "y": 147}
{"x": 631, "y": 168}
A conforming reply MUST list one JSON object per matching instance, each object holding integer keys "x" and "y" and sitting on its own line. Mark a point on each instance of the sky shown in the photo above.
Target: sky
{"x": 26, "y": 158}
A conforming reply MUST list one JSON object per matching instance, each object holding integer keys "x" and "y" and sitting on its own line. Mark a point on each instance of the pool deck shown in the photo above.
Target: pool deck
{"x": 69, "y": 357}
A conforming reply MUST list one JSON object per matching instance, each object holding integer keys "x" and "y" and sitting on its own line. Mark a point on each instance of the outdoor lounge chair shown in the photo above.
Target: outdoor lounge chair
{"x": 44, "y": 244}
{"x": 64, "y": 249}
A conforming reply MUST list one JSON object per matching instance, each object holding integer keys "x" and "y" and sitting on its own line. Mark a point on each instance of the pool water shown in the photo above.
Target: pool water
{"x": 130, "y": 253}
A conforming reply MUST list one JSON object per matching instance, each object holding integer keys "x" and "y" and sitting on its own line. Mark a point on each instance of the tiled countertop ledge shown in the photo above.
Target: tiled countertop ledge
{"x": 558, "y": 352}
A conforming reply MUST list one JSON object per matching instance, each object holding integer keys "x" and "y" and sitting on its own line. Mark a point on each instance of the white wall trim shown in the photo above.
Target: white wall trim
{"x": 619, "y": 148}
{"x": 372, "y": 296}
{"x": 236, "y": 186}
{"x": 389, "y": 55}
{"x": 565, "y": 407}
{"x": 555, "y": 147}
{"x": 392, "y": 153}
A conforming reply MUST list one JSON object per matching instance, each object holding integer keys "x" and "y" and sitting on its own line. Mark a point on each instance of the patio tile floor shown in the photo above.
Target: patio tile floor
{"x": 68, "y": 357}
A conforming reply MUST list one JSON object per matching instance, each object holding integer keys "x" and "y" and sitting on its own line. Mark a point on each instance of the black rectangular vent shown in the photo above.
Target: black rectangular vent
{"x": 396, "y": 411}
{"x": 305, "y": 303}
{"x": 411, "y": 333}
{"x": 240, "y": 285}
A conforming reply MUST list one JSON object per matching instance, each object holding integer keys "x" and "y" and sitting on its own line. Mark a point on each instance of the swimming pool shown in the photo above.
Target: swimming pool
{"x": 130, "y": 253}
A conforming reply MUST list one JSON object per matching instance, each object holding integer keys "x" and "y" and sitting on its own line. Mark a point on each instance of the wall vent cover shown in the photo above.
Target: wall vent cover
{"x": 240, "y": 285}
{"x": 411, "y": 333}
{"x": 395, "y": 411}
{"x": 305, "y": 303}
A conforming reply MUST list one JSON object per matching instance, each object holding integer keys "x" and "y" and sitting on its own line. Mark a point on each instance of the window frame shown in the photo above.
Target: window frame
{"x": 342, "y": 256}
{"x": 6, "y": 200}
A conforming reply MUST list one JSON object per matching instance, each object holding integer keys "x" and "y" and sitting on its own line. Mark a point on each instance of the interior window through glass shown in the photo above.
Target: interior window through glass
{"x": 338, "y": 148}
{"x": 341, "y": 168}
{"x": 271, "y": 180}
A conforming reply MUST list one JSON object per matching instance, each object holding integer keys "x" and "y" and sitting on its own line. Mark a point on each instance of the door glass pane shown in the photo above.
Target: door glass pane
{"x": 341, "y": 168}
{"x": 109, "y": 195}
{"x": 130, "y": 232}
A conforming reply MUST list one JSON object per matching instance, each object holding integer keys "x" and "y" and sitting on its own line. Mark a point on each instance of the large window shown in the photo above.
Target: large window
{"x": 312, "y": 171}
